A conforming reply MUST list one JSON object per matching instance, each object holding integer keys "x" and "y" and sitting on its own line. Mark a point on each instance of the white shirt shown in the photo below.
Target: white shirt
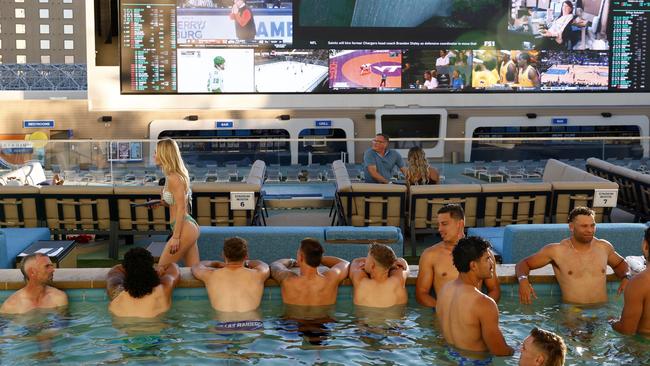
{"x": 431, "y": 84}
{"x": 443, "y": 61}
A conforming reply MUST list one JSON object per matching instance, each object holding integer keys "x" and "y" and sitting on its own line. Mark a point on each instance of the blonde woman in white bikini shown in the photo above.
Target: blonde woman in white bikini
{"x": 176, "y": 195}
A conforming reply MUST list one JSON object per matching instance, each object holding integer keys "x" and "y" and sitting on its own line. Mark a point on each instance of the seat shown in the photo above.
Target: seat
{"x": 18, "y": 206}
{"x": 75, "y": 210}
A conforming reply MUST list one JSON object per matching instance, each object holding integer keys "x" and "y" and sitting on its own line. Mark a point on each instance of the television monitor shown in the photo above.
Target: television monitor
{"x": 413, "y": 124}
{"x": 382, "y": 46}
{"x": 125, "y": 151}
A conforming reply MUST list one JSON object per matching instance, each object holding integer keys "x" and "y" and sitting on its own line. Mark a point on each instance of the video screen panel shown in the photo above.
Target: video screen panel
{"x": 291, "y": 71}
{"x": 411, "y": 126}
{"x": 365, "y": 69}
{"x": 125, "y": 151}
{"x": 383, "y": 46}
{"x": 224, "y": 23}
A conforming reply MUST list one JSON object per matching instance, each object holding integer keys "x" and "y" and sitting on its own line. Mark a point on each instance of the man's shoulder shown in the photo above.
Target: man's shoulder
{"x": 392, "y": 153}
{"x": 433, "y": 250}
{"x": 55, "y": 291}
{"x": 640, "y": 283}
{"x": 554, "y": 247}
{"x": 603, "y": 243}
{"x": 58, "y": 296}
{"x": 293, "y": 279}
{"x": 14, "y": 298}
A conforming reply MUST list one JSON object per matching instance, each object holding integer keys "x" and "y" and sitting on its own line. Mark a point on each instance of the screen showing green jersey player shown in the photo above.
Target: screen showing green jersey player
{"x": 215, "y": 79}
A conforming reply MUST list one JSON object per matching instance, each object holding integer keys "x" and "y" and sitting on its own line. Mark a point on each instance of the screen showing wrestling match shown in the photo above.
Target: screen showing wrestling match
{"x": 383, "y": 46}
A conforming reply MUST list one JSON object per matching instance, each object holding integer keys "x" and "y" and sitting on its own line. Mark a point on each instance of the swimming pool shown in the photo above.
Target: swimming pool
{"x": 341, "y": 335}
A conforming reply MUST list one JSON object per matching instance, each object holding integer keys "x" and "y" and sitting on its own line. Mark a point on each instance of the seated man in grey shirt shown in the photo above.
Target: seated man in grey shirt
{"x": 379, "y": 161}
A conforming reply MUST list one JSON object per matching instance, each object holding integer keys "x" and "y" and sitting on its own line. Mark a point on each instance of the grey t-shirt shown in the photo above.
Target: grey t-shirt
{"x": 384, "y": 164}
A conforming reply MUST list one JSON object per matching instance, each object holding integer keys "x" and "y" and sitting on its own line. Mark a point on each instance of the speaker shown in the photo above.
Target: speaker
{"x": 107, "y": 118}
{"x": 192, "y": 117}
{"x": 606, "y": 114}
{"x": 453, "y": 115}
{"x": 370, "y": 116}
{"x": 284, "y": 117}
{"x": 531, "y": 115}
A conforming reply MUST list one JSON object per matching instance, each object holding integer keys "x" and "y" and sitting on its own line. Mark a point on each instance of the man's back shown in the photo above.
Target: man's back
{"x": 320, "y": 289}
{"x": 641, "y": 285}
{"x": 370, "y": 292}
{"x": 458, "y": 311}
{"x": 20, "y": 302}
{"x": 235, "y": 289}
{"x": 151, "y": 305}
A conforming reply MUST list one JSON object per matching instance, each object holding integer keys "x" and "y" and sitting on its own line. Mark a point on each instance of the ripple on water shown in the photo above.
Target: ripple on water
{"x": 88, "y": 334}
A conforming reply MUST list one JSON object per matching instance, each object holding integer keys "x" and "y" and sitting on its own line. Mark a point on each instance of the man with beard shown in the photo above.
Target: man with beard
{"x": 635, "y": 318}
{"x": 38, "y": 271}
{"x": 579, "y": 263}
{"x": 436, "y": 267}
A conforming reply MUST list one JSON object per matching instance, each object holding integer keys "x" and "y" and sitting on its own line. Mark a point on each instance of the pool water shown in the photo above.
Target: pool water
{"x": 340, "y": 335}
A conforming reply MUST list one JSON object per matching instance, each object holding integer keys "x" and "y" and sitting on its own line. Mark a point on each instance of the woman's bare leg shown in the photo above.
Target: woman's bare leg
{"x": 189, "y": 236}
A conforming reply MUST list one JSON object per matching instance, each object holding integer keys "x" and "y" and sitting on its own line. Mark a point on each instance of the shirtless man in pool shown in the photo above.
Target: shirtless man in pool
{"x": 38, "y": 271}
{"x": 136, "y": 289}
{"x": 635, "y": 318}
{"x": 436, "y": 264}
{"x": 468, "y": 318}
{"x": 579, "y": 262}
{"x": 236, "y": 285}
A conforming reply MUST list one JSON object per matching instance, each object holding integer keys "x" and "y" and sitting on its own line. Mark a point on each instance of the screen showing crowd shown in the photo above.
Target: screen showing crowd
{"x": 391, "y": 46}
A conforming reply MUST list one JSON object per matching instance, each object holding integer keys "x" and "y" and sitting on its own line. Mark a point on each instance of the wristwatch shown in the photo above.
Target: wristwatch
{"x": 521, "y": 278}
{"x": 627, "y": 276}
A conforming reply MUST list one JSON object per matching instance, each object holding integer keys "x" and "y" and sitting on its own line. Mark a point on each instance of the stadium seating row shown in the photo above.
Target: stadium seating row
{"x": 111, "y": 211}
{"x": 486, "y": 205}
{"x": 633, "y": 187}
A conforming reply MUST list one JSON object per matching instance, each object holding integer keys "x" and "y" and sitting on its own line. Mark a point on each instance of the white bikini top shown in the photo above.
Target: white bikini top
{"x": 168, "y": 197}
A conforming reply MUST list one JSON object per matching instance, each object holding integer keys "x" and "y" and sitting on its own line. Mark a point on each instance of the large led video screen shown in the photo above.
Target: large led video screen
{"x": 382, "y": 46}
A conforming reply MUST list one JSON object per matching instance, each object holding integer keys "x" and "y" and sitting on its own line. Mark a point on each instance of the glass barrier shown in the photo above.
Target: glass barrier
{"x": 489, "y": 158}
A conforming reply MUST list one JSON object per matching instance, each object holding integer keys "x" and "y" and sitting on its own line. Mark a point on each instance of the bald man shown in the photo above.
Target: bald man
{"x": 38, "y": 271}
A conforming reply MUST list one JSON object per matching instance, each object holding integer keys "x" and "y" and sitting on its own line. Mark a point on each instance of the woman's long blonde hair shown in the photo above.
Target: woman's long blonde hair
{"x": 418, "y": 170}
{"x": 171, "y": 162}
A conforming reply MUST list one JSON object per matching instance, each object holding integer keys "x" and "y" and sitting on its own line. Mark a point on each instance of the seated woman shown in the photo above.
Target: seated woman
{"x": 559, "y": 31}
{"x": 136, "y": 289}
{"x": 419, "y": 171}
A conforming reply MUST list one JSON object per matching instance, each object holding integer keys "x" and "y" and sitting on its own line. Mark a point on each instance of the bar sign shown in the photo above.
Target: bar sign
{"x": 38, "y": 124}
{"x": 559, "y": 121}
{"x": 324, "y": 123}
{"x": 223, "y": 124}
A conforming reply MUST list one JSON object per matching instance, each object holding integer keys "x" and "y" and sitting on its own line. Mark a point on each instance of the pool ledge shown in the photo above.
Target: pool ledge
{"x": 83, "y": 278}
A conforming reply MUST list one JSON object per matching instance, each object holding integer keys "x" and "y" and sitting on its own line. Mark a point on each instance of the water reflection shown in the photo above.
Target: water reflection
{"x": 39, "y": 327}
{"x": 312, "y": 323}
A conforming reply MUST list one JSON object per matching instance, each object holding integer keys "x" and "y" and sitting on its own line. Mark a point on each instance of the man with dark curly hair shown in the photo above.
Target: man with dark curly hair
{"x": 136, "y": 289}
{"x": 468, "y": 318}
